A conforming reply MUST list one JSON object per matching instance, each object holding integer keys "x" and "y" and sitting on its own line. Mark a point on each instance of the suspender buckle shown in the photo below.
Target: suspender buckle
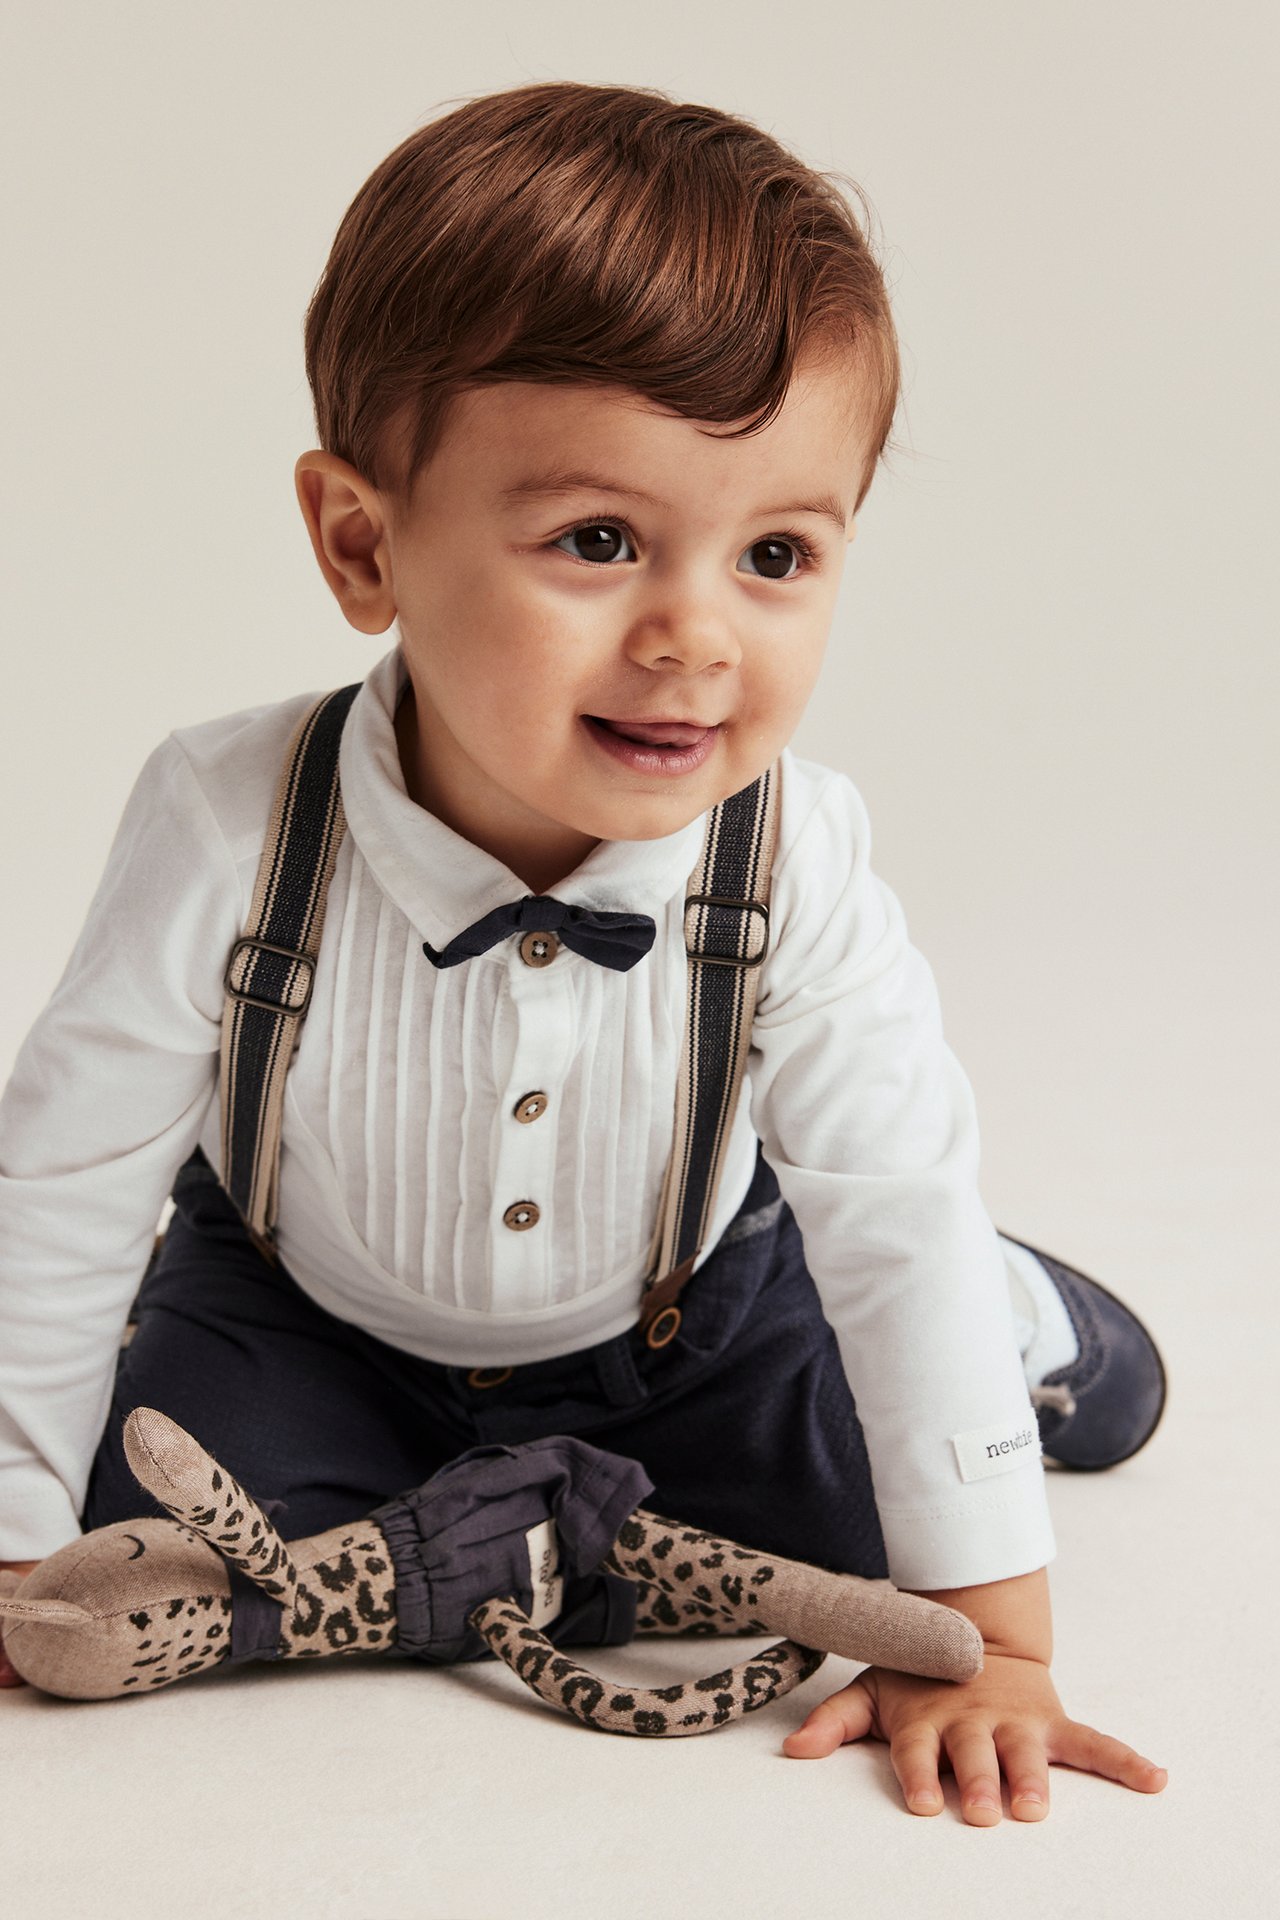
{"x": 293, "y": 1005}
{"x": 723, "y": 959}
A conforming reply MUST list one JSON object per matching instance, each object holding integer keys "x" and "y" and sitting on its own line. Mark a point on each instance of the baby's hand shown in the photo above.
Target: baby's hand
{"x": 1009, "y": 1716}
{"x": 9, "y": 1676}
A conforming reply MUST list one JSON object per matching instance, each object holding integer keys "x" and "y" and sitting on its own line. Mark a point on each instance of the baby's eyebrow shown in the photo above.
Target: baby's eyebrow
{"x": 559, "y": 480}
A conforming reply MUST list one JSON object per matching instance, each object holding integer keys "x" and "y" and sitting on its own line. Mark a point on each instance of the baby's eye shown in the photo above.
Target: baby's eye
{"x": 772, "y": 553}
{"x": 603, "y": 542}
{"x": 594, "y": 548}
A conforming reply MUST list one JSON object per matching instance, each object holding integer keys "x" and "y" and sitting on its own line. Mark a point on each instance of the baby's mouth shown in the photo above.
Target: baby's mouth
{"x": 659, "y": 733}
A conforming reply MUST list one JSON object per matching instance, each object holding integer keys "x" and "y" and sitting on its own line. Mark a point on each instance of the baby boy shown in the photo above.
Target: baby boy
{"x": 565, "y": 333}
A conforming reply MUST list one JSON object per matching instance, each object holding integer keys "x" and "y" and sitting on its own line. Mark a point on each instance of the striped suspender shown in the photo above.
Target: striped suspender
{"x": 271, "y": 969}
{"x": 726, "y": 932}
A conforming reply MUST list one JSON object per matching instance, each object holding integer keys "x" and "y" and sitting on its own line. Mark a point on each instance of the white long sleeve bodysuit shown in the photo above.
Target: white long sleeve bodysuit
{"x": 400, "y": 1151}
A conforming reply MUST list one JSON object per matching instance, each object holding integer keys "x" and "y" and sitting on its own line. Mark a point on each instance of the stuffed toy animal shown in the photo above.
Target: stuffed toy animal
{"x": 500, "y": 1544}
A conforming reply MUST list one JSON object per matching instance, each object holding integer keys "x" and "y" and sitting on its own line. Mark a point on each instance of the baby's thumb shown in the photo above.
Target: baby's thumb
{"x": 842, "y": 1716}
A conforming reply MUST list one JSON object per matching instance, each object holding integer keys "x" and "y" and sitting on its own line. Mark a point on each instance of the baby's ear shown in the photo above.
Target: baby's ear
{"x": 346, "y": 522}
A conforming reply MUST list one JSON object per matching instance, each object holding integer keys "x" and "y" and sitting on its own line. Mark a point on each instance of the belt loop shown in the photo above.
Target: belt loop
{"x": 616, "y": 1367}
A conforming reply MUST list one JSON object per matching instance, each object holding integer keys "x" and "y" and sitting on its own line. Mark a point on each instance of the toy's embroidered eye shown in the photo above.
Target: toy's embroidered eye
{"x": 776, "y": 544}
{"x": 597, "y": 553}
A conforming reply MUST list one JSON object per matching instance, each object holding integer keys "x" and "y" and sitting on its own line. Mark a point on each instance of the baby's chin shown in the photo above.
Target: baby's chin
{"x": 631, "y": 815}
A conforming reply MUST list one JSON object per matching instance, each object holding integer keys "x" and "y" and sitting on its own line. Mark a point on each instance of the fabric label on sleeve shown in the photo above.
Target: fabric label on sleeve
{"x": 984, "y": 1450}
{"x": 547, "y": 1583}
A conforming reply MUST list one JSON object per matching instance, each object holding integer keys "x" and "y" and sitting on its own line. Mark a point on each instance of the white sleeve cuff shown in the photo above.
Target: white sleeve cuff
{"x": 994, "y": 1536}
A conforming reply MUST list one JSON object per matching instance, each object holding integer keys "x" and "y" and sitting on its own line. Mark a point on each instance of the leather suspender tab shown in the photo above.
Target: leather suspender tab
{"x": 659, "y": 1315}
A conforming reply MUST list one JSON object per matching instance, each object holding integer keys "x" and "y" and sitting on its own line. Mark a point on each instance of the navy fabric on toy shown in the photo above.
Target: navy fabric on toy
{"x": 461, "y": 1538}
{"x": 256, "y": 1619}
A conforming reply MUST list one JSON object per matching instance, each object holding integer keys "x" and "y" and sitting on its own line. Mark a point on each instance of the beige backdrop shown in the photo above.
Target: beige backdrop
{"x": 1052, "y": 674}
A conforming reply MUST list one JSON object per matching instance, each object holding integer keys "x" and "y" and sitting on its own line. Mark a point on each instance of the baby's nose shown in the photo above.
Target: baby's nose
{"x": 686, "y": 632}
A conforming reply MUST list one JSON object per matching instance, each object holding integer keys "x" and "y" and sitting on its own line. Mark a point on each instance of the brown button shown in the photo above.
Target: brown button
{"x": 521, "y": 1215}
{"x": 539, "y": 949}
{"x": 664, "y": 1327}
{"x": 529, "y": 1106}
{"x": 489, "y": 1376}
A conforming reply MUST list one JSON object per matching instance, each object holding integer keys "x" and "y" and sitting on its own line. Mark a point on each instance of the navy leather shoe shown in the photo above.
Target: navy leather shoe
{"x": 1107, "y": 1404}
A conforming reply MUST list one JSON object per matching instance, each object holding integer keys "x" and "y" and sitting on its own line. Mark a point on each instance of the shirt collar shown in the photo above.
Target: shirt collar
{"x": 440, "y": 881}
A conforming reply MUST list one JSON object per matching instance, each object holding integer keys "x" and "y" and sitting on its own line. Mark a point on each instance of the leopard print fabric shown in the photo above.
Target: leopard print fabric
{"x": 172, "y": 1615}
{"x": 691, "y": 1582}
{"x": 342, "y": 1600}
{"x": 337, "y": 1589}
{"x": 334, "y": 1602}
{"x": 153, "y": 1603}
{"x": 152, "y": 1597}
{"x": 690, "y": 1706}
{"x": 177, "y": 1638}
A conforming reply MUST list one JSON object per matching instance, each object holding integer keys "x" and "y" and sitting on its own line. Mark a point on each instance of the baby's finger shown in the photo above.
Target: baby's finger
{"x": 914, "y": 1754}
{"x": 972, "y": 1753}
{"x": 9, "y": 1676}
{"x": 1026, "y": 1768}
{"x": 1082, "y": 1746}
{"x": 846, "y": 1715}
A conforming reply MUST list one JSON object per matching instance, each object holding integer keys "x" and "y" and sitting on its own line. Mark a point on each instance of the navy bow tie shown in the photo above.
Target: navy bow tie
{"x": 615, "y": 940}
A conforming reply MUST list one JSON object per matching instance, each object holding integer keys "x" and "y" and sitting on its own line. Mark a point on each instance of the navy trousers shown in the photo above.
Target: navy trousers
{"x": 744, "y": 1422}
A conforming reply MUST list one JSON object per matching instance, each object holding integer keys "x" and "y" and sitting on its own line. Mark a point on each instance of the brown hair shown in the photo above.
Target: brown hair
{"x": 567, "y": 232}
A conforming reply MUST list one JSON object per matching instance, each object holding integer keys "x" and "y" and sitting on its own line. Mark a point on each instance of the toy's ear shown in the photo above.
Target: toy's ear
{"x": 58, "y": 1613}
{"x": 205, "y": 1497}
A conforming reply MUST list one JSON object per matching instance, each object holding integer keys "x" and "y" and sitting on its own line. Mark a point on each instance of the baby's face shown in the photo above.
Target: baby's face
{"x": 574, "y": 555}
